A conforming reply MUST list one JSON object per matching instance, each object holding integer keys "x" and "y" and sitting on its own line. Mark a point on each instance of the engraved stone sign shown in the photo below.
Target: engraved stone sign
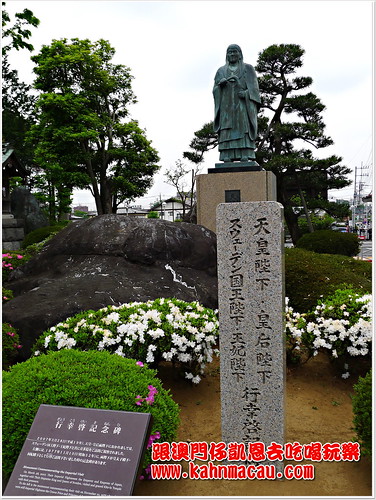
{"x": 251, "y": 305}
{"x": 72, "y": 451}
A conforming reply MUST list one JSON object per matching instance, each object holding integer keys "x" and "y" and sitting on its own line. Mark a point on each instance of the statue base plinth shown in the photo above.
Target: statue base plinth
{"x": 235, "y": 166}
{"x": 237, "y": 184}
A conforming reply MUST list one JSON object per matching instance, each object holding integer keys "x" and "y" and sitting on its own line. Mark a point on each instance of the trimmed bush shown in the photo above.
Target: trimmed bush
{"x": 318, "y": 223}
{"x": 362, "y": 408}
{"x": 42, "y": 233}
{"x": 10, "y": 345}
{"x": 163, "y": 329}
{"x": 332, "y": 242}
{"x": 311, "y": 276}
{"x": 83, "y": 379}
{"x": 153, "y": 215}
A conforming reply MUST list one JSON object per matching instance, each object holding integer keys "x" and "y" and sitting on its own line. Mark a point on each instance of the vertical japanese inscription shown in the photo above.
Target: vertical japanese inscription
{"x": 262, "y": 260}
{"x": 236, "y": 304}
{"x": 251, "y": 301}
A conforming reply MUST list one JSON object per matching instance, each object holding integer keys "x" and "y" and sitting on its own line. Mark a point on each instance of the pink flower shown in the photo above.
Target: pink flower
{"x": 139, "y": 400}
{"x": 139, "y": 363}
{"x": 19, "y": 256}
{"x": 149, "y": 398}
{"x": 11, "y": 334}
{"x": 152, "y": 438}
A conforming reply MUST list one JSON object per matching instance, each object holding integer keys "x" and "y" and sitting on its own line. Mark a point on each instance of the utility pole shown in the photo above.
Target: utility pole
{"x": 354, "y": 205}
{"x": 358, "y": 200}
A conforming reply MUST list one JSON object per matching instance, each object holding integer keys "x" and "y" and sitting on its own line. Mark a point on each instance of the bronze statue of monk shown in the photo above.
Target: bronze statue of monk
{"x": 237, "y": 101}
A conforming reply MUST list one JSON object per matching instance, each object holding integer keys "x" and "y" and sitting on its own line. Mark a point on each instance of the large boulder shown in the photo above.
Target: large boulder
{"x": 110, "y": 259}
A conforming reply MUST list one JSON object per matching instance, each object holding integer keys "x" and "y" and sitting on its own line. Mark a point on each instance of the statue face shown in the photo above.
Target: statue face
{"x": 233, "y": 55}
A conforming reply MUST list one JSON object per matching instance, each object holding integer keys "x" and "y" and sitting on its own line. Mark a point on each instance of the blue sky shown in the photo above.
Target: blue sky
{"x": 174, "y": 48}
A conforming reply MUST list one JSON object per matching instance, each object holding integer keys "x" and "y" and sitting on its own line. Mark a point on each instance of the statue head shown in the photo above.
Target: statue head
{"x": 234, "y": 47}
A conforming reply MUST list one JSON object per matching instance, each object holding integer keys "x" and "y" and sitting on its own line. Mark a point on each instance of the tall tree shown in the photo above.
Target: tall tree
{"x": 81, "y": 138}
{"x": 290, "y": 125}
{"x": 17, "y": 99}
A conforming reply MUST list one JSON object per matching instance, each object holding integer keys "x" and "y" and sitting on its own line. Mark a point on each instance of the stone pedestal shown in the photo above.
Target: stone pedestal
{"x": 231, "y": 186}
{"x": 13, "y": 232}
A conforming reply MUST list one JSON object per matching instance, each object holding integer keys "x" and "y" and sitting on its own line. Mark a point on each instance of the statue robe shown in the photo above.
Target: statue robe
{"x": 235, "y": 118}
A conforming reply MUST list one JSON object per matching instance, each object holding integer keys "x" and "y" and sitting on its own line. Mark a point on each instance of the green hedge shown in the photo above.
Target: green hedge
{"x": 332, "y": 242}
{"x": 42, "y": 233}
{"x": 84, "y": 379}
{"x": 362, "y": 408}
{"x": 311, "y": 276}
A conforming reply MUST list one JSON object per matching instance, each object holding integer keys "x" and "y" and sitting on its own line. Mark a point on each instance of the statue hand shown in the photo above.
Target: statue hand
{"x": 223, "y": 81}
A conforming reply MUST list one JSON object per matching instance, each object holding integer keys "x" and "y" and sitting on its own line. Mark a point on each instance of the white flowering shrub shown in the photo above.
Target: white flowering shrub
{"x": 299, "y": 346}
{"x": 160, "y": 330}
{"x": 341, "y": 324}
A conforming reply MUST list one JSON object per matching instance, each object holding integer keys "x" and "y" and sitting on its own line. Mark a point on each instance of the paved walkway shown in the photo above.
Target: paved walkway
{"x": 365, "y": 249}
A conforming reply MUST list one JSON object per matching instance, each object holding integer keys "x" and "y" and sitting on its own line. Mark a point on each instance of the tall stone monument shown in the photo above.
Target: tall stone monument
{"x": 237, "y": 177}
{"x": 251, "y": 303}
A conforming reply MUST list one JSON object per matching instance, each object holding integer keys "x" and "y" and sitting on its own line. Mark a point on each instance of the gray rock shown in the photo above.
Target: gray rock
{"x": 110, "y": 259}
{"x": 25, "y": 206}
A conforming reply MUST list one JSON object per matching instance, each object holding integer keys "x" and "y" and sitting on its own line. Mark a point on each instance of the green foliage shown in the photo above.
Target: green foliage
{"x": 31, "y": 246}
{"x": 318, "y": 223}
{"x": 16, "y": 36}
{"x": 7, "y": 295}
{"x": 10, "y": 345}
{"x": 310, "y": 276}
{"x": 41, "y": 234}
{"x": 17, "y": 100}
{"x": 331, "y": 242}
{"x": 153, "y": 214}
{"x": 82, "y": 379}
{"x": 344, "y": 303}
{"x": 293, "y": 119}
{"x": 362, "y": 409}
{"x": 163, "y": 329}
{"x": 204, "y": 140}
{"x": 299, "y": 342}
{"x": 11, "y": 260}
{"x": 81, "y": 213}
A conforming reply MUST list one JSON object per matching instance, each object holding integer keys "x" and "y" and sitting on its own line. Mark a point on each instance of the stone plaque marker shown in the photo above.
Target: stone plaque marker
{"x": 73, "y": 451}
{"x": 251, "y": 311}
{"x": 232, "y": 195}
